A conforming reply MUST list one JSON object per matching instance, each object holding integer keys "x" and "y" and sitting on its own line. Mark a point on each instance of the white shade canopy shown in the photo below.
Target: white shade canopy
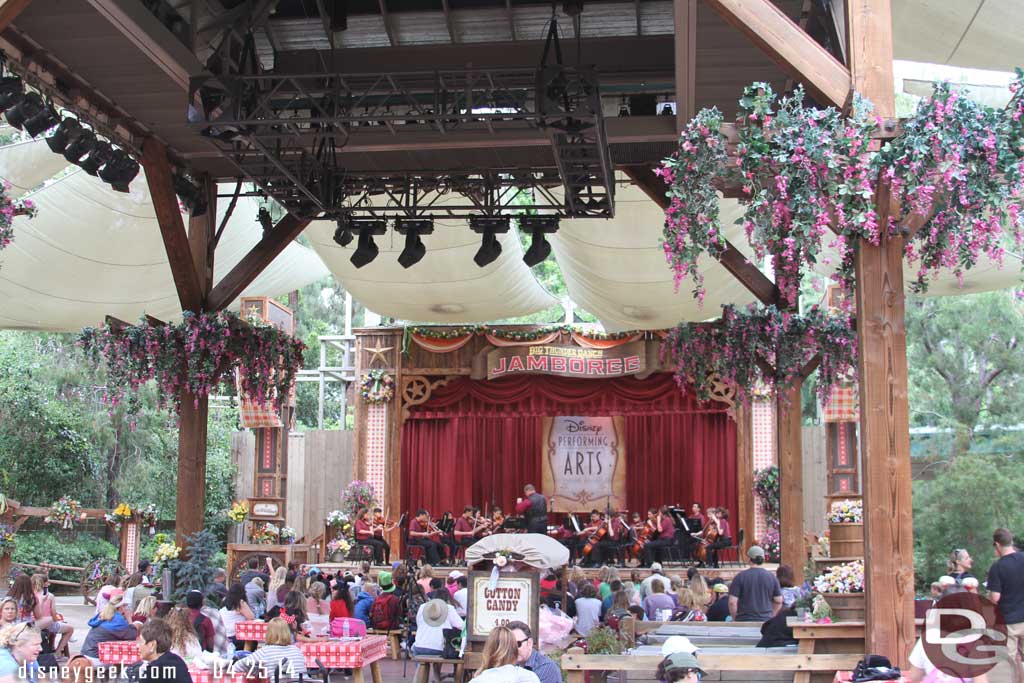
{"x": 93, "y": 252}
{"x": 980, "y": 34}
{"x": 538, "y": 550}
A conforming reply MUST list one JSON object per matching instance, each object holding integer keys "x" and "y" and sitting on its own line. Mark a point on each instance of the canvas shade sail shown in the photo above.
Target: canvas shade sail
{"x": 93, "y": 252}
{"x": 616, "y": 268}
{"x": 538, "y": 550}
{"x": 446, "y": 286}
{"x": 979, "y": 34}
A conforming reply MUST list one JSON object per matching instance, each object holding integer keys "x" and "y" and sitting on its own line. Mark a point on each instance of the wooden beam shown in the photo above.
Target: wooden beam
{"x": 685, "y": 60}
{"x": 869, "y": 50}
{"x": 789, "y": 445}
{"x": 885, "y": 442}
{"x": 253, "y": 263}
{"x": 744, "y": 514}
{"x": 392, "y": 39}
{"x": 448, "y": 21}
{"x": 10, "y": 11}
{"x": 882, "y": 343}
{"x": 191, "y": 485}
{"x": 172, "y": 228}
{"x": 511, "y": 18}
{"x": 732, "y": 259}
{"x": 809, "y": 367}
{"x": 201, "y": 236}
{"x": 790, "y": 47}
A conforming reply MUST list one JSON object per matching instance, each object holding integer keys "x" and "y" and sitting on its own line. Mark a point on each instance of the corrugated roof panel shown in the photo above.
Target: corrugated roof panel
{"x": 481, "y": 26}
{"x": 532, "y": 24}
{"x": 299, "y": 34}
{"x": 420, "y": 28}
{"x": 605, "y": 20}
{"x": 364, "y": 30}
{"x": 656, "y": 18}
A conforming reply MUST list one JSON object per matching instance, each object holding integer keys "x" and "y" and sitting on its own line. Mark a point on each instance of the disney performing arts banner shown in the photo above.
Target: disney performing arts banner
{"x": 584, "y": 463}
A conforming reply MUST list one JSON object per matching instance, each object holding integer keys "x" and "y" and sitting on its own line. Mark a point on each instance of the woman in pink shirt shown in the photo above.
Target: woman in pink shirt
{"x": 48, "y": 619}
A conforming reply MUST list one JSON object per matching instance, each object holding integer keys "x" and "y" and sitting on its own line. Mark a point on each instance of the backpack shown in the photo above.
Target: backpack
{"x": 356, "y": 627}
{"x": 383, "y": 611}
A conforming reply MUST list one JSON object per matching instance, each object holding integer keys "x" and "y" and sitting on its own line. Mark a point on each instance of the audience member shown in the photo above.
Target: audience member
{"x": 109, "y": 624}
{"x": 588, "y": 610}
{"x": 235, "y": 609}
{"x": 656, "y": 575}
{"x": 20, "y": 645}
{"x": 960, "y": 563}
{"x": 8, "y": 611}
{"x": 532, "y": 659}
{"x": 658, "y": 605}
{"x": 158, "y": 662}
{"x": 461, "y": 596}
{"x": 278, "y": 655}
{"x": 499, "y": 663}
{"x": 719, "y": 609}
{"x": 341, "y": 605}
{"x": 218, "y": 588}
{"x": 385, "y": 612}
{"x": 364, "y": 601}
{"x": 47, "y": 618}
{"x": 184, "y": 637}
{"x": 144, "y": 610}
{"x": 790, "y": 593}
{"x": 755, "y": 594}
{"x": 256, "y": 597}
{"x": 1006, "y": 589}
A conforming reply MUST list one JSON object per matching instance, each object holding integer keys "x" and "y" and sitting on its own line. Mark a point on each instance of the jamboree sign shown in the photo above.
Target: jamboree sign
{"x": 568, "y": 361}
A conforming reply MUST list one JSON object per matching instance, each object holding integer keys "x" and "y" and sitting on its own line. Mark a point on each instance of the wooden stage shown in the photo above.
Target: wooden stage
{"x": 670, "y": 570}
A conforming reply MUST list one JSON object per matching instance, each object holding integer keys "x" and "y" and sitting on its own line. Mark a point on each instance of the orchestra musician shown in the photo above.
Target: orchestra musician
{"x": 381, "y": 526}
{"x": 724, "y": 539}
{"x": 705, "y": 538}
{"x": 424, "y": 533}
{"x": 697, "y": 513}
{"x": 664, "y": 535}
{"x": 534, "y": 508}
{"x": 364, "y": 535}
{"x": 497, "y": 521}
{"x": 595, "y": 540}
{"x": 447, "y": 526}
{"x": 467, "y": 527}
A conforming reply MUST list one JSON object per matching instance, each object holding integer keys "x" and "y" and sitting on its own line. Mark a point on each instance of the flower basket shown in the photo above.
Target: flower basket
{"x": 846, "y": 606}
{"x": 846, "y": 540}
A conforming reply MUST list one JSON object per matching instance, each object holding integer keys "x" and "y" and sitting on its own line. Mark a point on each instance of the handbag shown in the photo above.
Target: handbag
{"x": 875, "y": 668}
{"x": 452, "y": 643}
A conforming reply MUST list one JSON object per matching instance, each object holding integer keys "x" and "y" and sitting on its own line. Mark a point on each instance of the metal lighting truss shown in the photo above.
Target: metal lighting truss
{"x": 286, "y": 134}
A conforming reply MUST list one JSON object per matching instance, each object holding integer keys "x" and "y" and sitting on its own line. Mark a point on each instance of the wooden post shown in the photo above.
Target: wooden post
{"x": 191, "y": 502}
{"x": 789, "y": 445}
{"x": 686, "y": 61}
{"x": 192, "y": 428}
{"x": 882, "y": 339}
{"x": 744, "y": 516}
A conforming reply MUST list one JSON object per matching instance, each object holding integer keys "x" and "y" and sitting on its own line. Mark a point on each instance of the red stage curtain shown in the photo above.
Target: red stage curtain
{"x": 479, "y": 442}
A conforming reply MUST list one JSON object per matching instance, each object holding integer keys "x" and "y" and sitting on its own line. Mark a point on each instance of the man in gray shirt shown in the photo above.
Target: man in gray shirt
{"x": 755, "y": 593}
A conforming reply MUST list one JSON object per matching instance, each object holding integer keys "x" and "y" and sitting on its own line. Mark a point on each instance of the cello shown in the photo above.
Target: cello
{"x": 707, "y": 536}
{"x": 642, "y": 537}
{"x": 596, "y": 537}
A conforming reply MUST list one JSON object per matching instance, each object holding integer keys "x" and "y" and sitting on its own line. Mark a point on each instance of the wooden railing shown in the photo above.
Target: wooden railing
{"x": 82, "y": 584}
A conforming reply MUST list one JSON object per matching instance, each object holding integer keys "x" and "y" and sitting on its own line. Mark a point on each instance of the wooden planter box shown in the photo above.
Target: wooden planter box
{"x": 846, "y": 606}
{"x": 846, "y": 540}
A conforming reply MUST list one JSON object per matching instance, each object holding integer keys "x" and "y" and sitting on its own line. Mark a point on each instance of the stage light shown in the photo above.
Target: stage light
{"x": 41, "y": 122}
{"x": 101, "y": 154}
{"x": 537, "y": 226}
{"x": 414, "y": 249}
{"x": 343, "y": 233}
{"x": 490, "y": 247}
{"x": 12, "y": 91}
{"x": 666, "y": 110}
{"x": 30, "y": 105}
{"x": 82, "y": 144}
{"x": 265, "y": 219}
{"x": 192, "y": 198}
{"x": 120, "y": 170}
{"x": 367, "y": 249}
{"x": 65, "y": 133}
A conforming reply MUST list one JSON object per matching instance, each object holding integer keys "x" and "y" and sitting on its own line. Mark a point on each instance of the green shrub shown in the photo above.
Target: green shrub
{"x": 36, "y": 547}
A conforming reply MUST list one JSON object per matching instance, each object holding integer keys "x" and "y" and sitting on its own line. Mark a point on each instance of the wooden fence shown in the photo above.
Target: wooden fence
{"x": 320, "y": 465}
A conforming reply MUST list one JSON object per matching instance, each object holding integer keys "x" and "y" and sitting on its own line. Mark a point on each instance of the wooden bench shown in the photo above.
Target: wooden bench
{"x": 469, "y": 662}
{"x": 394, "y": 637}
{"x": 575, "y": 663}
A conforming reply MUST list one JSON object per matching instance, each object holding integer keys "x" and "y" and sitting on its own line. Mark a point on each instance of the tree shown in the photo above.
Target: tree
{"x": 966, "y": 362}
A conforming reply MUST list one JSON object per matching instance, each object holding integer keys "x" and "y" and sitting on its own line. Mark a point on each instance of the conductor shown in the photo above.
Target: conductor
{"x": 534, "y": 508}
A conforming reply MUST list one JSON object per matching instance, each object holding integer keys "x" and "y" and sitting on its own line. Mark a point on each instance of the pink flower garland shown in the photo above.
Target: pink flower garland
{"x": 198, "y": 354}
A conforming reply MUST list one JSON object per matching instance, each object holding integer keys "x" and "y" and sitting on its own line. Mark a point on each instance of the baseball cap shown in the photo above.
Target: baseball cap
{"x": 946, "y": 581}
{"x": 386, "y": 583}
{"x": 314, "y": 570}
{"x": 683, "y": 660}
{"x": 454, "y": 575}
{"x": 674, "y": 644}
{"x": 755, "y": 551}
{"x": 720, "y": 588}
{"x": 656, "y": 567}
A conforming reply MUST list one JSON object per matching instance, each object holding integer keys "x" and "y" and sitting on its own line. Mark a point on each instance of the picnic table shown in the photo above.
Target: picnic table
{"x": 124, "y": 652}
{"x": 702, "y": 635}
{"x": 251, "y": 633}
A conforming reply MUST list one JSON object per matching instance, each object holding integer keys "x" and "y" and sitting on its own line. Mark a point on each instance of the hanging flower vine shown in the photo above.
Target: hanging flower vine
{"x": 763, "y": 345}
{"x": 809, "y": 177}
{"x": 198, "y": 355}
{"x": 10, "y": 208}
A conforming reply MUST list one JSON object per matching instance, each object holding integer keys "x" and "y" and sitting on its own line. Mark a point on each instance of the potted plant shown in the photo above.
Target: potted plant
{"x": 846, "y": 528}
{"x": 337, "y": 549}
{"x": 604, "y": 641}
{"x": 843, "y": 585}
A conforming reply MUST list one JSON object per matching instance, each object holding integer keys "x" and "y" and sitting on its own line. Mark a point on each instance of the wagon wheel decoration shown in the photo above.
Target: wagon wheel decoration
{"x": 416, "y": 389}
{"x": 94, "y": 574}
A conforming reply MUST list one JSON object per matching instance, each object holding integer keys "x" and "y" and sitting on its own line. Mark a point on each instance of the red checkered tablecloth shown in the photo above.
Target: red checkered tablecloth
{"x": 119, "y": 652}
{"x": 847, "y": 676}
{"x": 251, "y": 630}
{"x": 347, "y": 654}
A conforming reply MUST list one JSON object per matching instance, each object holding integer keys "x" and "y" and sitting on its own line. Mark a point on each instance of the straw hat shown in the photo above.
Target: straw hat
{"x": 435, "y": 612}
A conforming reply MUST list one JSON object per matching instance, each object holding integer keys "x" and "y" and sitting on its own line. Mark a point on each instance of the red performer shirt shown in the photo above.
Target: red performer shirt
{"x": 723, "y": 528}
{"x": 362, "y": 529}
{"x": 415, "y": 527}
{"x": 523, "y": 505}
{"x": 668, "y": 528}
{"x": 463, "y": 525}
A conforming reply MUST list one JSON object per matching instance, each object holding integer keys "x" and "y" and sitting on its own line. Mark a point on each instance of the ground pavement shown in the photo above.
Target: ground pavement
{"x": 78, "y": 615}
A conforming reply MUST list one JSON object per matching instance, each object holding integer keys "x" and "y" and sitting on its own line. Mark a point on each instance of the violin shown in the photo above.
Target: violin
{"x": 595, "y": 538}
{"x": 380, "y": 525}
{"x": 482, "y": 526}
